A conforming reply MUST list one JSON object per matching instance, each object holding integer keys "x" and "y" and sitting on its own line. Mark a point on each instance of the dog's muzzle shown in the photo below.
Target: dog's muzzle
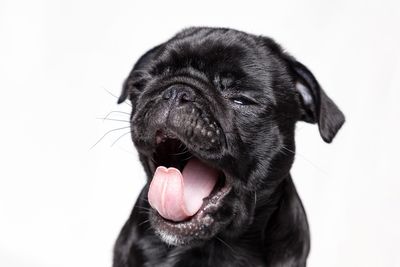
{"x": 187, "y": 184}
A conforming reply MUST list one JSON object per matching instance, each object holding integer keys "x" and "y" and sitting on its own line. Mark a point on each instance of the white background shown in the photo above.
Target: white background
{"x": 63, "y": 204}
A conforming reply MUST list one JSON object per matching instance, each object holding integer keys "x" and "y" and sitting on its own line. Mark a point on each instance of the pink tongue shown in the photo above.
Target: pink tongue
{"x": 177, "y": 196}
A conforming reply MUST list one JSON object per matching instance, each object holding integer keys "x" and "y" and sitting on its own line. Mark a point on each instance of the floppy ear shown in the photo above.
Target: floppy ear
{"x": 133, "y": 84}
{"x": 138, "y": 76}
{"x": 317, "y": 107}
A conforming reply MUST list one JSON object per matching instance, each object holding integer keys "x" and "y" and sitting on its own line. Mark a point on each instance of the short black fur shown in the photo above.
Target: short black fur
{"x": 249, "y": 94}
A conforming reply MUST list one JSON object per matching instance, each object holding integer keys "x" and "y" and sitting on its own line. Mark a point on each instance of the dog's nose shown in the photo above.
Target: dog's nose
{"x": 178, "y": 94}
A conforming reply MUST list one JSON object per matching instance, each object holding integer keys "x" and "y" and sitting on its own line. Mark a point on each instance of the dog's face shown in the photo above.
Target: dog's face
{"x": 213, "y": 117}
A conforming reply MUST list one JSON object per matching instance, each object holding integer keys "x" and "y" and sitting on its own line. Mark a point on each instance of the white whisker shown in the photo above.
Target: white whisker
{"x": 107, "y": 134}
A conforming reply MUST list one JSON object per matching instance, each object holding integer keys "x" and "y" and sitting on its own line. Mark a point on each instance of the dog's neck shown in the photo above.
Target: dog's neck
{"x": 280, "y": 237}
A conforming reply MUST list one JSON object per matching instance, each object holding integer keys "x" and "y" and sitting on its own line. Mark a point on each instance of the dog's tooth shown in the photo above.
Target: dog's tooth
{"x": 209, "y": 134}
{"x": 217, "y": 132}
{"x": 203, "y": 132}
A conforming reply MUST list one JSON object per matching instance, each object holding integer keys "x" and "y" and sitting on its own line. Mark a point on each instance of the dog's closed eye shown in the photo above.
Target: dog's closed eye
{"x": 243, "y": 100}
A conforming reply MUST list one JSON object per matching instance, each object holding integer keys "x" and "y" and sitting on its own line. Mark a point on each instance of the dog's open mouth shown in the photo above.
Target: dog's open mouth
{"x": 184, "y": 189}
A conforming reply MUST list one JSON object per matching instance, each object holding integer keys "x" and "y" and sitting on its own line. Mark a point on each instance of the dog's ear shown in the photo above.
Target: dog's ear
{"x": 139, "y": 75}
{"x": 133, "y": 84}
{"x": 316, "y": 106}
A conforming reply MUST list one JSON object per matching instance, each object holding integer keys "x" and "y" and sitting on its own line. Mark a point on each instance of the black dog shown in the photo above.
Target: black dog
{"x": 213, "y": 119}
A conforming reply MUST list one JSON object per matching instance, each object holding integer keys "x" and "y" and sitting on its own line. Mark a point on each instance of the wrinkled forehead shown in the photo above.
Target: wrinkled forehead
{"x": 237, "y": 64}
{"x": 211, "y": 56}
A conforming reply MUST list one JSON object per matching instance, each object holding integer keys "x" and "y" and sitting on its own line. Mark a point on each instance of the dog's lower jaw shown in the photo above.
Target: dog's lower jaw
{"x": 262, "y": 244}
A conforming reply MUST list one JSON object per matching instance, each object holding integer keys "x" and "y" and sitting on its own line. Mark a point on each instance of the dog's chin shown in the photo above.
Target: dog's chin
{"x": 198, "y": 228}
{"x": 213, "y": 215}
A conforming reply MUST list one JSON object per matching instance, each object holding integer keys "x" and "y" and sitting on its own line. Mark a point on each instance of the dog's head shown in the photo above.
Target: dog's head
{"x": 213, "y": 118}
